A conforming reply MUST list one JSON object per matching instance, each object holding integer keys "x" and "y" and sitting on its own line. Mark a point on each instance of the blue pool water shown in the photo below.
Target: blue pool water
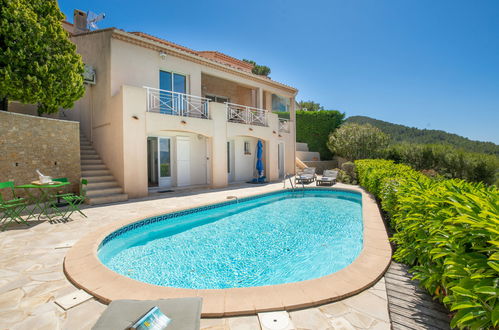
{"x": 273, "y": 239}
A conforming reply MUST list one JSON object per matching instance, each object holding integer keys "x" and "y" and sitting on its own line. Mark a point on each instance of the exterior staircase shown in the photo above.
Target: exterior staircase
{"x": 307, "y": 158}
{"x": 306, "y": 155}
{"x": 102, "y": 188}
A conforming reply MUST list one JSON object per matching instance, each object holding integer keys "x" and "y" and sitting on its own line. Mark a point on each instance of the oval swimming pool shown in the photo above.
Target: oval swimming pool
{"x": 268, "y": 239}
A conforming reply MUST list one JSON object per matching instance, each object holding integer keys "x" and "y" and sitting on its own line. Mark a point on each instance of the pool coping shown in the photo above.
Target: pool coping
{"x": 83, "y": 268}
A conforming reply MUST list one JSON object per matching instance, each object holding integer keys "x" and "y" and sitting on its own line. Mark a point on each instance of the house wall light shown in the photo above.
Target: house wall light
{"x": 162, "y": 55}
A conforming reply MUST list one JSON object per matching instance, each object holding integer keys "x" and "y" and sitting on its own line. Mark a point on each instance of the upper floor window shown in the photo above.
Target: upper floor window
{"x": 280, "y": 103}
{"x": 170, "y": 81}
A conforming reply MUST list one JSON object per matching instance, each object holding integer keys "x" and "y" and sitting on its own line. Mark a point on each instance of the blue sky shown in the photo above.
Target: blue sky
{"x": 422, "y": 63}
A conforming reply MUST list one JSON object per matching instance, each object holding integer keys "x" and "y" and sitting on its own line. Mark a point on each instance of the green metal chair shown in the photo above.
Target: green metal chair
{"x": 74, "y": 201}
{"x": 61, "y": 194}
{"x": 10, "y": 210}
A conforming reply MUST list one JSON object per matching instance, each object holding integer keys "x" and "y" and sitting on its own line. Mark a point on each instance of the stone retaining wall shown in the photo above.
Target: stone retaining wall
{"x": 29, "y": 142}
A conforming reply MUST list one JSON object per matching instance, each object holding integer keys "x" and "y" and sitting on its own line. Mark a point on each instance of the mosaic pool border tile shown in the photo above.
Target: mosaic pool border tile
{"x": 176, "y": 214}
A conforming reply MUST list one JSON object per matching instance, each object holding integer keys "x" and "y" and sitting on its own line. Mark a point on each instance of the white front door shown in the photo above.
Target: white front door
{"x": 183, "y": 161}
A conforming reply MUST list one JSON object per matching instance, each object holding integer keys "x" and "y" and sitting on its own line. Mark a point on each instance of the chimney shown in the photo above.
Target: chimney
{"x": 80, "y": 21}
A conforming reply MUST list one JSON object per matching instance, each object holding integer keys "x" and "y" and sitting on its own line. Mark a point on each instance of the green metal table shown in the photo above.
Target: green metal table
{"x": 42, "y": 202}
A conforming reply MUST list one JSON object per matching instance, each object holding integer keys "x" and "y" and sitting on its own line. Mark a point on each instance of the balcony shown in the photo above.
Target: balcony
{"x": 284, "y": 125}
{"x": 243, "y": 114}
{"x": 177, "y": 104}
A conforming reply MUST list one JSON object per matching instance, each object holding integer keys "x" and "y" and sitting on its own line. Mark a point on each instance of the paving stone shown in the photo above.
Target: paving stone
{"x": 359, "y": 320}
{"x": 377, "y": 325}
{"x": 46, "y": 287}
{"x": 334, "y": 309}
{"x": 45, "y": 321}
{"x": 48, "y": 277}
{"x": 244, "y": 323}
{"x": 8, "y": 274}
{"x": 370, "y": 304}
{"x": 30, "y": 303}
{"x": 340, "y": 323}
{"x": 310, "y": 318}
{"x": 210, "y": 323}
{"x": 18, "y": 283}
{"x": 83, "y": 316}
{"x": 11, "y": 299}
{"x": 11, "y": 317}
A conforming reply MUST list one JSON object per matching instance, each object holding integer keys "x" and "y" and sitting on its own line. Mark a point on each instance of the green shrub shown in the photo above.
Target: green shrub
{"x": 313, "y": 128}
{"x": 447, "y": 161}
{"x": 448, "y": 231}
{"x": 353, "y": 141}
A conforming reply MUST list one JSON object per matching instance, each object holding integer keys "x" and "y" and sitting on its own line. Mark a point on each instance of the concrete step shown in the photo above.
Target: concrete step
{"x": 88, "y": 152}
{"x": 91, "y": 167}
{"x": 102, "y": 185}
{"x": 100, "y": 178}
{"x": 89, "y": 156}
{"x": 301, "y": 146}
{"x": 86, "y": 147}
{"x": 308, "y": 155}
{"x": 102, "y": 188}
{"x": 103, "y": 192}
{"x": 95, "y": 161}
{"x": 87, "y": 174}
{"x": 107, "y": 199}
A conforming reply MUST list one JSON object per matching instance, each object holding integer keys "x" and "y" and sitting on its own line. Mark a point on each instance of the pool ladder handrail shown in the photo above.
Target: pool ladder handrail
{"x": 288, "y": 177}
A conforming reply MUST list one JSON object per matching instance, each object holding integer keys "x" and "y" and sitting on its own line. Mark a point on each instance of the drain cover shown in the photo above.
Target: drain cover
{"x": 275, "y": 321}
{"x": 73, "y": 299}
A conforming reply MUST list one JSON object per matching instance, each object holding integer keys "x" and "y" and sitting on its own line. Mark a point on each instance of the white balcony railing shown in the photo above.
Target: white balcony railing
{"x": 176, "y": 104}
{"x": 284, "y": 125}
{"x": 237, "y": 113}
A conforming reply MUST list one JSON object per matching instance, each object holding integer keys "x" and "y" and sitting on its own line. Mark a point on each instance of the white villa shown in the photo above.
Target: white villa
{"x": 162, "y": 115}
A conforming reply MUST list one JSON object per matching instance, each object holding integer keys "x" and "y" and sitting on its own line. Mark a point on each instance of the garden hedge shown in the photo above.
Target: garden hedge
{"x": 313, "y": 128}
{"x": 448, "y": 231}
{"x": 447, "y": 160}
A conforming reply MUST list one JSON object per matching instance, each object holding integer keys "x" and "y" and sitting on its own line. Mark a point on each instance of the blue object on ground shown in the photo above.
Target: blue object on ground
{"x": 259, "y": 163}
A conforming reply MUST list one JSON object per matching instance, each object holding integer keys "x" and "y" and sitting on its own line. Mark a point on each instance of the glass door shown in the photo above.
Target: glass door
{"x": 171, "y": 103}
{"x": 166, "y": 100}
{"x": 179, "y": 86}
{"x": 165, "y": 169}
{"x": 152, "y": 162}
{"x": 158, "y": 162}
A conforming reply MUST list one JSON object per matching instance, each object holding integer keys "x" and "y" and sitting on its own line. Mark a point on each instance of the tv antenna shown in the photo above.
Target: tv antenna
{"x": 93, "y": 18}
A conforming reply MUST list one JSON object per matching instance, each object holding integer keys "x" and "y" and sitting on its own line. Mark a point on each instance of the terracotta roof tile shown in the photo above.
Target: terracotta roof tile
{"x": 212, "y": 55}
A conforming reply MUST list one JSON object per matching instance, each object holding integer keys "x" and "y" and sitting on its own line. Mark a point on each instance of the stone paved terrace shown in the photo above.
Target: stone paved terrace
{"x": 31, "y": 275}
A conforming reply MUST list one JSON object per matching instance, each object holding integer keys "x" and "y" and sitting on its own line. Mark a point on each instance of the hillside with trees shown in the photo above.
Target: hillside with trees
{"x": 401, "y": 133}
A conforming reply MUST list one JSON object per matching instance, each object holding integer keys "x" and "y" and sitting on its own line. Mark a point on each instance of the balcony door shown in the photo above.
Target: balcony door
{"x": 172, "y": 103}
